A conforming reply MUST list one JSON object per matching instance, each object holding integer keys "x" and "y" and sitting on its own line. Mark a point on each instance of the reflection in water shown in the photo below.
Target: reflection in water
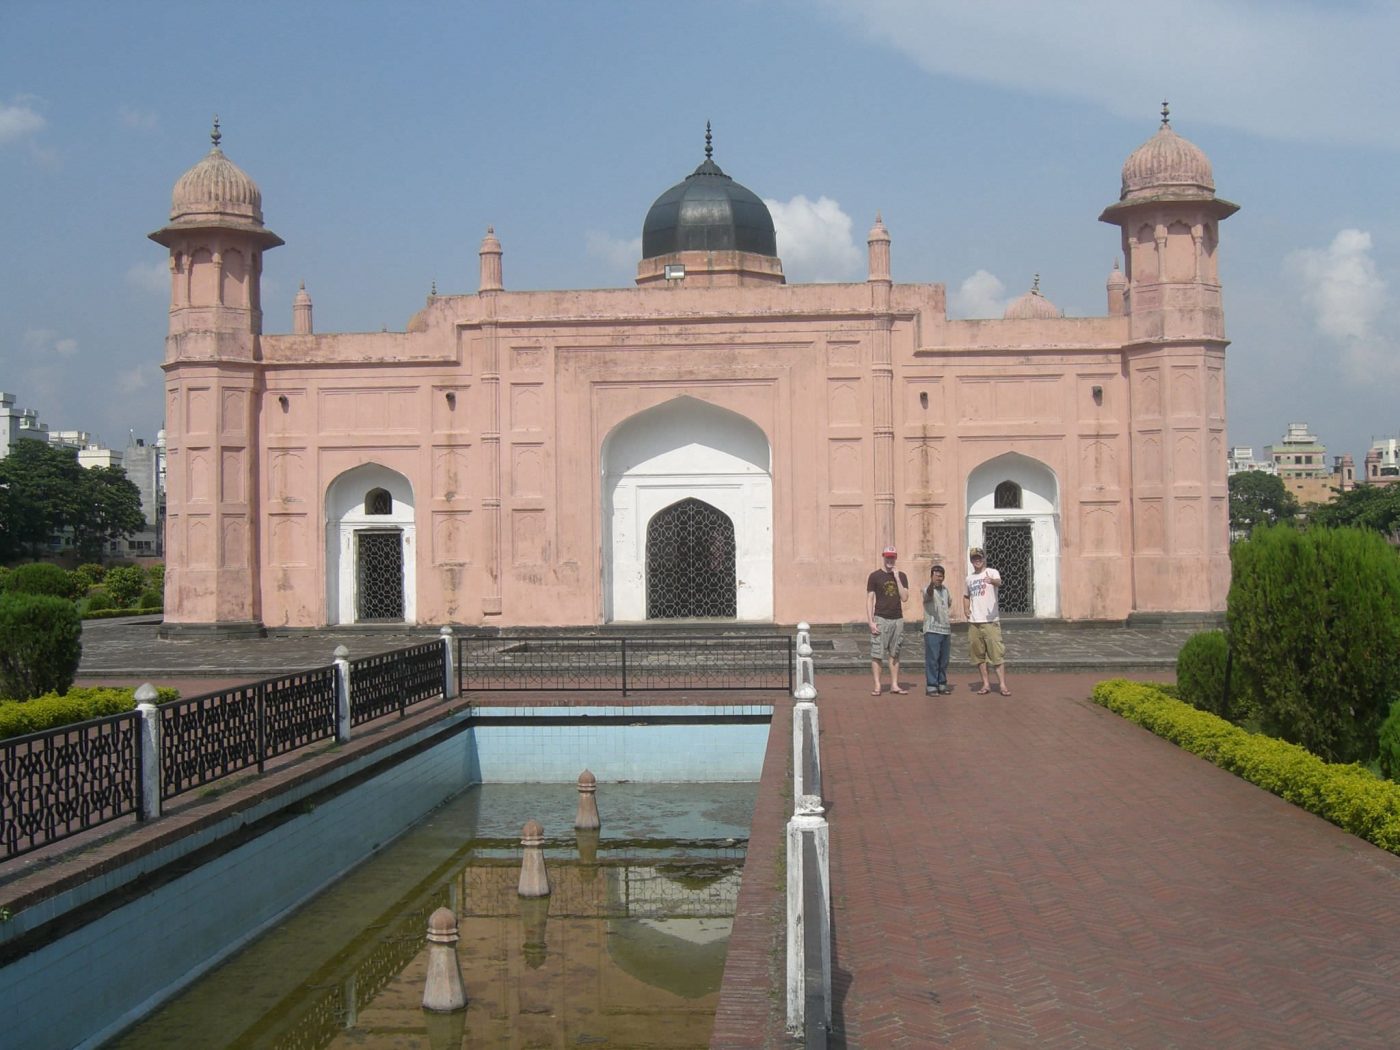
{"x": 628, "y": 949}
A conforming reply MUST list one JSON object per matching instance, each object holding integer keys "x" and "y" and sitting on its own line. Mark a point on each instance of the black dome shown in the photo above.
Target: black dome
{"x": 709, "y": 211}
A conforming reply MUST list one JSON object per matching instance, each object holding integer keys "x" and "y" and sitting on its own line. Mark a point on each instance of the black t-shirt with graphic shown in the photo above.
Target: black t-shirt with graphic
{"x": 883, "y": 585}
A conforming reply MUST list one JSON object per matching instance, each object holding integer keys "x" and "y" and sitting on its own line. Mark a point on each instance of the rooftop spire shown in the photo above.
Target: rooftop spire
{"x": 216, "y": 134}
{"x": 1166, "y": 114}
{"x": 1035, "y": 285}
{"x": 709, "y": 149}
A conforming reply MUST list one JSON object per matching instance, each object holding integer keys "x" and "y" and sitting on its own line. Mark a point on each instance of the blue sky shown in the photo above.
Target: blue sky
{"x": 386, "y": 137}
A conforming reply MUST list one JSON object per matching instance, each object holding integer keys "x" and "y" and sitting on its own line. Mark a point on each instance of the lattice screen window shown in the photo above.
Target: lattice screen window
{"x": 1007, "y": 496}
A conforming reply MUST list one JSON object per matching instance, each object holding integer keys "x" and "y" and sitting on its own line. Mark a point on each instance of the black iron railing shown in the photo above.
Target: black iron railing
{"x": 380, "y": 685}
{"x": 59, "y": 782}
{"x": 62, "y": 781}
{"x": 211, "y": 736}
{"x": 608, "y": 664}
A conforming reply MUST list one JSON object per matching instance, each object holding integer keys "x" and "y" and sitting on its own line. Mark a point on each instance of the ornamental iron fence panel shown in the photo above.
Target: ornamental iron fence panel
{"x": 300, "y": 709}
{"x": 624, "y": 665}
{"x": 210, "y": 736}
{"x": 59, "y": 782}
{"x": 396, "y": 680}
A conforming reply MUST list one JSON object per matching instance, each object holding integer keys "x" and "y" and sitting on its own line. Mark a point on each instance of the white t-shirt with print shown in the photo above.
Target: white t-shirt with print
{"x": 983, "y": 596}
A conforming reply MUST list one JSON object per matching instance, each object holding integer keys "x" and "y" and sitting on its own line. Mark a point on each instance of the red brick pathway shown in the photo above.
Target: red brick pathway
{"x": 1036, "y": 871}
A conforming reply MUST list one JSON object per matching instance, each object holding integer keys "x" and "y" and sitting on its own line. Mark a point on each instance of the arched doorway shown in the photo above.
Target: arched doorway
{"x": 1013, "y": 513}
{"x": 370, "y": 534}
{"x": 686, "y": 450}
{"x": 690, "y": 562}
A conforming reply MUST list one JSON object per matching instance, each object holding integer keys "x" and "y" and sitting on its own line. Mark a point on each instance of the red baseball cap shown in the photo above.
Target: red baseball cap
{"x": 889, "y": 552}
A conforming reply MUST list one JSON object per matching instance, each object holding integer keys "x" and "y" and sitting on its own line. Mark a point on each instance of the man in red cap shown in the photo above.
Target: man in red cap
{"x": 886, "y": 591}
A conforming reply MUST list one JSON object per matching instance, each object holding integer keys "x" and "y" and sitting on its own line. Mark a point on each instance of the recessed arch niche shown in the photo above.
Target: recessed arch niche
{"x": 370, "y": 539}
{"x": 1032, "y": 519}
{"x": 686, "y": 449}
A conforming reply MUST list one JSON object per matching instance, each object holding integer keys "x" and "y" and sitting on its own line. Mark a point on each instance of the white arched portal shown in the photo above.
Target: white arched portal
{"x": 1014, "y": 494}
{"x": 686, "y": 449}
{"x": 369, "y": 515}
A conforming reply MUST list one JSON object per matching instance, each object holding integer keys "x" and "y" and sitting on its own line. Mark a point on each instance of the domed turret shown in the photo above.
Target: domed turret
{"x": 1117, "y": 288}
{"x": 217, "y": 193}
{"x": 1167, "y": 166}
{"x": 708, "y": 211}
{"x": 1032, "y": 306}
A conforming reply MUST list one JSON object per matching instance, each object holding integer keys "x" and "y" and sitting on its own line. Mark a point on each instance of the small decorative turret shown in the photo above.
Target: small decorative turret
{"x": 301, "y": 312}
{"x": 1117, "y": 292}
{"x": 490, "y": 263}
{"x": 878, "y": 241}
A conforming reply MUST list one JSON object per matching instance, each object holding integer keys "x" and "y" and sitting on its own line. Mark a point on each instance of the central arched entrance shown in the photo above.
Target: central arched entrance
{"x": 370, "y": 531}
{"x": 690, "y": 562}
{"x": 687, "y": 507}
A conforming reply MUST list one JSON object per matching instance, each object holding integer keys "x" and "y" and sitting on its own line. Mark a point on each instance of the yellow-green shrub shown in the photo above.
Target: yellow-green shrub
{"x": 1349, "y": 796}
{"x": 79, "y": 704}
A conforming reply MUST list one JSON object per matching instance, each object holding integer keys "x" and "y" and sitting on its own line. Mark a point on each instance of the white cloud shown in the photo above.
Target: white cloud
{"x": 17, "y": 120}
{"x": 1226, "y": 62}
{"x": 981, "y": 295}
{"x": 1349, "y": 300}
{"x": 814, "y": 240}
{"x": 134, "y": 379}
{"x": 150, "y": 277}
{"x": 140, "y": 119}
{"x": 616, "y": 253}
{"x": 45, "y": 342}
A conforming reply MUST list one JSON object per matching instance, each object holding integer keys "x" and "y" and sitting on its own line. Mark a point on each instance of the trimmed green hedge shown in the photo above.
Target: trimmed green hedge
{"x": 112, "y": 614}
{"x": 1350, "y": 796}
{"x": 81, "y": 703}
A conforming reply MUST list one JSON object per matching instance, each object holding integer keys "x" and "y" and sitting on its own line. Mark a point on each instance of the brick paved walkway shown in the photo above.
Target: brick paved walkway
{"x": 1036, "y": 871}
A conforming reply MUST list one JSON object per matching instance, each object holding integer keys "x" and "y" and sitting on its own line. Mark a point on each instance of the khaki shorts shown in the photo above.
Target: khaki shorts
{"x": 886, "y": 642}
{"x": 985, "y": 644}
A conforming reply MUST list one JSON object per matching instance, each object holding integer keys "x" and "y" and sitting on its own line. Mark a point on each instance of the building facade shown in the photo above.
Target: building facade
{"x": 711, "y": 443}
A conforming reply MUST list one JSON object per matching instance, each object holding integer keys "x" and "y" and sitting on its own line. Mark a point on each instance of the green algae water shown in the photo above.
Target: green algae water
{"x": 627, "y": 951}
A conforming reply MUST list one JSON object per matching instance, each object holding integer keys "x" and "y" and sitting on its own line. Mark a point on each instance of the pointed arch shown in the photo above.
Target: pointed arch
{"x": 371, "y": 545}
{"x": 1013, "y": 510}
{"x": 683, "y": 449}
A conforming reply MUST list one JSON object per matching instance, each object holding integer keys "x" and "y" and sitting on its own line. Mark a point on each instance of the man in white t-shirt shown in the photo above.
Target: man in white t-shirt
{"x": 984, "y": 621}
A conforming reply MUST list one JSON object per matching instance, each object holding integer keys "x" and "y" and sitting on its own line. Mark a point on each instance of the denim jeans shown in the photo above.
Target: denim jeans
{"x": 936, "y": 648}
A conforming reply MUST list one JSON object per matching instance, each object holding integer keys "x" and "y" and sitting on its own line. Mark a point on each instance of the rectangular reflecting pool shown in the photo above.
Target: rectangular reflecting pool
{"x": 627, "y": 951}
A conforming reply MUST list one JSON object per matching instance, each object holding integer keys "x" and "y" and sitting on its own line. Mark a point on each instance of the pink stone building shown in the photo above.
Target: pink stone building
{"x": 713, "y": 442}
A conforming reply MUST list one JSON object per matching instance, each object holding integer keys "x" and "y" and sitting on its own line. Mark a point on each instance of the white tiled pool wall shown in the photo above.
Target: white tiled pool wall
{"x": 697, "y": 749}
{"x": 177, "y": 931}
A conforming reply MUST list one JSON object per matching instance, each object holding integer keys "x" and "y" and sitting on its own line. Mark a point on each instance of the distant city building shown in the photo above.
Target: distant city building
{"x": 1242, "y": 459}
{"x": 1300, "y": 459}
{"x": 1383, "y": 462}
{"x": 143, "y": 464}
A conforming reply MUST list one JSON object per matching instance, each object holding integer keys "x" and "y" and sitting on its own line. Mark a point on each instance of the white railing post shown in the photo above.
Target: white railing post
{"x": 342, "y": 694}
{"x": 449, "y": 664}
{"x": 808, "y": 820}
{"x": 805, "y": 684}
{"x": 150, "y": 751}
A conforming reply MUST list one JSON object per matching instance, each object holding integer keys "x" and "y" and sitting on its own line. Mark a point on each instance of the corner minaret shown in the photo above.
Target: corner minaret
{"x": 301, "y": 312}
{"x": 1175, "y": 357}
{"x": 216, "y": 239}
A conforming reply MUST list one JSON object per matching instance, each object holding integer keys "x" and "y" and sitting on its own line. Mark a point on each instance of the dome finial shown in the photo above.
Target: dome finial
{"x": 216, "y": 134}
{"x": 709, "y": 149}
{"x": 1035, "y": 284}
{"x": 1166, "y": 114}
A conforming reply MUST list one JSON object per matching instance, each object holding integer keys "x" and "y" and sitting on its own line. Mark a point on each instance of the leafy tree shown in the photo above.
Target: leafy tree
{"x": 1257, "y": 498}
{"x": 111, "y": 509}
{"x": 45, "y": 491}
{"x": 1314, "y": 620}
{"x": 1364, "y": 507}
{"x": 42, "y": 483}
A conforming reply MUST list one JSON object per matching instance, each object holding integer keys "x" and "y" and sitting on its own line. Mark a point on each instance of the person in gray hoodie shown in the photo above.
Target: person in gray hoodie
{"x": 938, "y": 633}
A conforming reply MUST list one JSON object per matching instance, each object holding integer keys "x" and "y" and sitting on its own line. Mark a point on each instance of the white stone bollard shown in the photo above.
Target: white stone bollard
{"x": 534, "y": 880}
{"x": 804, "y": 685}
{"x": 342, "y": 694}
{"x": 808, "y": 820}
{"x": 449, "y": 685}
{"x": 587, "y": 818}
{"x": 443, "y": 991}
{"x": 150, "y": 751}
{"x": 806, "y": 728}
